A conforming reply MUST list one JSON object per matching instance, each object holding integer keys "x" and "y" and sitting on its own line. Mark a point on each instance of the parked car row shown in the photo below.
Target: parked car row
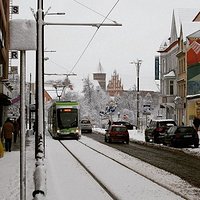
{"x": 163, "y": 131}
{"x": 156, "y": 130}
{"x": 166, "y": 131}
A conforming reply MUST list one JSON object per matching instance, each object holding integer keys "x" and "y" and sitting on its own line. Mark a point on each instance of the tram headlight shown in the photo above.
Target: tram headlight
{"x": 77, "y": 130}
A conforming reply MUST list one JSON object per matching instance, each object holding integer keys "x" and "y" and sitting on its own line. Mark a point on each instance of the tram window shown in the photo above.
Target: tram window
{"x": 54, "y": 117}
{"x": 67, "y": 119}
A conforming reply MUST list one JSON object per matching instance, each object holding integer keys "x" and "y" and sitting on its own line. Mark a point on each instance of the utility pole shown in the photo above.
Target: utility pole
{"x": 138, "y": 64}
{"x": 30, "y": 93}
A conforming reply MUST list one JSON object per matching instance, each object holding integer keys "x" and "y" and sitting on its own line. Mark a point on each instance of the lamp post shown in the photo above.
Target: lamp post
{"x": 138, "y": 64}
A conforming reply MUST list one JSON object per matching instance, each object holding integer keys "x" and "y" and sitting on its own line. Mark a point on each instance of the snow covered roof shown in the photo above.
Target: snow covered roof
{"x": 171, "y": 74}
{"x": 190, "y": 28}
{"x": 193, "y": 96}
{"x": 195, "y": 34}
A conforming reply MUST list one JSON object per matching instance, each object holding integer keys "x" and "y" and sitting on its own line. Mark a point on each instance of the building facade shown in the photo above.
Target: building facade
{"x": 193, "y": 76}
{"x": 180, "y": 99}
{"x": 5, "y": 89}
{"x": 168, "y": 71}
{"x": 179, "y": 67}
{"x": 115, "y": 87}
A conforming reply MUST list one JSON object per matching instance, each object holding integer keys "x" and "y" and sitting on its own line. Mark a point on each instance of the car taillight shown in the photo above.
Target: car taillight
{"x": 159, "y": 129}
{"x": 177, "y": 135}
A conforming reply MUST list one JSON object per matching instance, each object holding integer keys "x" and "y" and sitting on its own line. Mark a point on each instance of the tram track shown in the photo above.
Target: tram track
{"x": 109, "y": 191}
{"x": 135, "y": 171}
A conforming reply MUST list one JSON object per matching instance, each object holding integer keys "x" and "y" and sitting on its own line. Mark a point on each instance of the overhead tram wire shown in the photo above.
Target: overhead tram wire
{"x": 93, "y": 36}
{"x": 93, "y": 10}
{"x": 50, "y": 60}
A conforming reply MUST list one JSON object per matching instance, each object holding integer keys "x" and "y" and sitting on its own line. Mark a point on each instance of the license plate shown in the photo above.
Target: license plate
{"x": 187, "y": 136}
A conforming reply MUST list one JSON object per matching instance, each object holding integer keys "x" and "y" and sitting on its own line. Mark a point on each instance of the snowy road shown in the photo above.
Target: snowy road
{"x": 67, "y": 179}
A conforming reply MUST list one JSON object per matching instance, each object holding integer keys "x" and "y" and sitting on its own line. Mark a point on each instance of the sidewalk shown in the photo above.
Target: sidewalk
{"x": 10, "y": 171}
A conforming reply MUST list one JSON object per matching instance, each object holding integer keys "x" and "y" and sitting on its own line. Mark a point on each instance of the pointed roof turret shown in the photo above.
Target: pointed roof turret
{"x": 100, "y": 68}
{"x": 173, "y": 35}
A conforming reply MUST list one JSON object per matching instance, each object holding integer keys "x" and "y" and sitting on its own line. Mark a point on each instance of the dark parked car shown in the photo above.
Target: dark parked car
{"x": 156, "y": 130}
{"x": 127, "y": 124}
{"x": 181, "y": 136}
{"x": 117, "y": 133}
{"x": 86, "y": 126}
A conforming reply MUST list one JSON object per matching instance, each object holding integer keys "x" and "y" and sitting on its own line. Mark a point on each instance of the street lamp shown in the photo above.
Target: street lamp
{"x": 138, "y": 64}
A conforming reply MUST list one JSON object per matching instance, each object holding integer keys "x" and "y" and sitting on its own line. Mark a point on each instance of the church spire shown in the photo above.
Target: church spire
{"x": 173, "y": 36}
{"x": 100, "y": 68}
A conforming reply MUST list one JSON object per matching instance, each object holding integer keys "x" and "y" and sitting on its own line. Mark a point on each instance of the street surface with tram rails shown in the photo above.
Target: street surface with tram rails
{"x": 86, "y": 169}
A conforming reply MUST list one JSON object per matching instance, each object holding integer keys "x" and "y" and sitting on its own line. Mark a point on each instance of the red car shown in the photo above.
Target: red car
{"x": 117, "y": 133}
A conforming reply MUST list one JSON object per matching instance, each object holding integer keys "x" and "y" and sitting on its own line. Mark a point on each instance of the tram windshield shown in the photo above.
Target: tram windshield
{"x": 67, "y": 118}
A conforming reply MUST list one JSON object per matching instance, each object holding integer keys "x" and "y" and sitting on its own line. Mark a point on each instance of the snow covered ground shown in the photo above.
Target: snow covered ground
{"x": 10, "y": 172}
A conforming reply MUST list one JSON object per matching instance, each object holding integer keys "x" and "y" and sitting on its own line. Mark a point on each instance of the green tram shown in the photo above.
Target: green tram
{"x": 63, "y": 120}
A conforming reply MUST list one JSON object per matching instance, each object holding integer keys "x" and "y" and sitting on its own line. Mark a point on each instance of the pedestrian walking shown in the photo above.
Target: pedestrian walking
{"x": 1, "y": 149}
{"x": 196, "y": 123}
{"x": 109, "y": 123}
{"x": 16, "y": 130}
{"x": 7, "y": 131}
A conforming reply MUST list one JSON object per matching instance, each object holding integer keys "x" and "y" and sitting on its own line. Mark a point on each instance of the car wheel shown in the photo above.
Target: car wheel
{"x": 105, "y": 139}
{"x": 172, "y": 143}
{"x": 196, "y": 144}
{"x": 164, "y": 143}
{"x": 109, "y": 140}
{"x": 127, "y": 141}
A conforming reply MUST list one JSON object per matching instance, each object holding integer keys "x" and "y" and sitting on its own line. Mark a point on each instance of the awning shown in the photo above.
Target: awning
{"x": 4, "y": 100}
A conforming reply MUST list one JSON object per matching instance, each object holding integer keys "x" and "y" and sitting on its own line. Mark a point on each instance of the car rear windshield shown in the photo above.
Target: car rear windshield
{"x": 186, "y": 130}
{"x": 119, "y": 129}
{"x": 167, "y": 124}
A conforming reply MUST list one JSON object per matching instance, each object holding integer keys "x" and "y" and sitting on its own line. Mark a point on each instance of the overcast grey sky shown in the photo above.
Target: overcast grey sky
{"x": 145, "y": 24}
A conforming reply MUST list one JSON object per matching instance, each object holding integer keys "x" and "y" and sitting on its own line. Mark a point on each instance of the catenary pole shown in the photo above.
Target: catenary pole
{"x": 22, "y": 126}
{"x": 30, "y": 92}
{"x": 39, "y": 76}
{"x": 138, "y": 63}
